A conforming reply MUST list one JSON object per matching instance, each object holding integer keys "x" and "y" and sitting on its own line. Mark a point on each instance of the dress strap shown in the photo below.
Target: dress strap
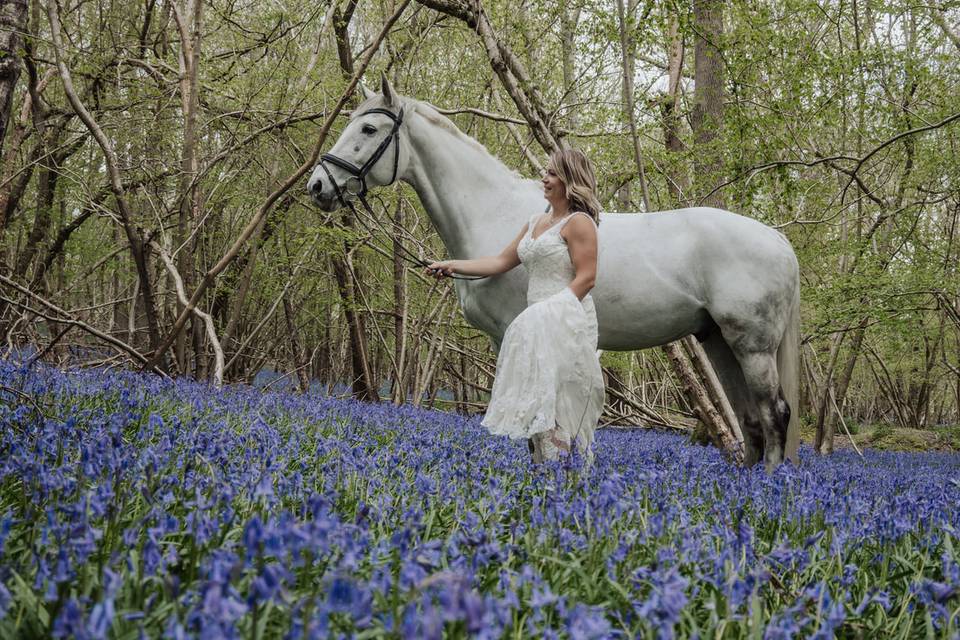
{"x": 564, "y": 222}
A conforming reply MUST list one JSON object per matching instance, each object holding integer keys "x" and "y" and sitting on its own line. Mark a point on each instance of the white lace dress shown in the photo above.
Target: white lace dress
{"x": 548, "y": 372}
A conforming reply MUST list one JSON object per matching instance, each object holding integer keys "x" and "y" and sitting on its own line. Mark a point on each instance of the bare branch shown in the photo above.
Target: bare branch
{"x": 941, "y": 21}
{"x": 831, "y": 161}
{"x": 207, "y": 320}
{"x": 496, "y": 117}
{"x": 211, "y": 275}
{"x": 64, "y": 317}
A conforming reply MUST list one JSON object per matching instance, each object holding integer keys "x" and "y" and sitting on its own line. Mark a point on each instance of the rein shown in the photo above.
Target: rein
{"x": 360, "y": 175}
{"x": 410, "y": 257}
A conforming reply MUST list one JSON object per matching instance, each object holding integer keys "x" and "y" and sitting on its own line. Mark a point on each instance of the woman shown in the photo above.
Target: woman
{"x": 548, "y": 386}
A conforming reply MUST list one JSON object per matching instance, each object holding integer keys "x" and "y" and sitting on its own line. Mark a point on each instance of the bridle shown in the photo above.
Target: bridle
{"x": 360, "y": 175}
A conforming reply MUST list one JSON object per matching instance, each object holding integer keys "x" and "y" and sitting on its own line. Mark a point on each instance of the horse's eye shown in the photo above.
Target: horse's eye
{"x": 369, "y": 129}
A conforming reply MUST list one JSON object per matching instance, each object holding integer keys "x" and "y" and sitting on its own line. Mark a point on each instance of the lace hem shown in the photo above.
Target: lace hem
{"x": 548, "y": 374}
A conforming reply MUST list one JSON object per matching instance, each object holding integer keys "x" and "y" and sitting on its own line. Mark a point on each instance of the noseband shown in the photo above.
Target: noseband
{"x": 360, "y": 173}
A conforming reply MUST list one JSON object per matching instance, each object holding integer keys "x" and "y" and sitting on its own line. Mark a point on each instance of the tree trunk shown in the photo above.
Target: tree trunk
{"x": 399, "y": 392}
{"x": 46, "y": 205}
{"x": 569, "y": 20}
{"x": 14, "y": 186}
{"x": 678, "y": 183}
{"x": 298, "y": 359}
{"x": 348, "y": 283}
{"x": 708, "y": 99}
{"x": 827, "y": 426}
{"x": 700, "y": 382}
{"x": 627, "y": 59}
{"x": 711, "y": 384}
{"x": 362, "y": 383}
{"x": 138, "y": 248}
{"x": 720, "y": 433}
{"x": 190, "y": 25}
{"x": 13, "y": 22}
{"x": 341, "y": 24}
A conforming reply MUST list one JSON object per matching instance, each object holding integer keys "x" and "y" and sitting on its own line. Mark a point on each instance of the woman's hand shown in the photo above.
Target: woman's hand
{"x": 442, "y": 269}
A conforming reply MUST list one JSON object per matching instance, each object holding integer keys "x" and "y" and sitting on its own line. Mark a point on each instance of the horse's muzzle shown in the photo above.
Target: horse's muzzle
{"x": 325, "y": 199}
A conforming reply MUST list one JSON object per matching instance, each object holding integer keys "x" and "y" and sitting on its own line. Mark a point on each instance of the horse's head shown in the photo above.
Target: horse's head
{"x": 370, "y": 152}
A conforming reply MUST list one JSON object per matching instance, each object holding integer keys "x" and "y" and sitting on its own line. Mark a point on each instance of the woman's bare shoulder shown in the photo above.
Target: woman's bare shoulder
{"x": 580, "y": 224}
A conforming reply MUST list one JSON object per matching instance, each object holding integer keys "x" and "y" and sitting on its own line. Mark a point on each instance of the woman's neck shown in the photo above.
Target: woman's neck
{"x": 559, "y": 209}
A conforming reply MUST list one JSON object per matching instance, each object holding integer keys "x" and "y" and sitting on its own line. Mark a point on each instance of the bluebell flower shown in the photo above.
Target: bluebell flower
{"x": 69, "y": 622}
{"x": 666, "y": 599}
{"x": 267, "y": 492}
{"x": 344, "y": 595}
{"x": 252, "y": 536}
{"x": 268, "y": 584}
{"x": 101, "y": 618}
{"x": 6, "y": 523}
{"x": 587, "y": 623}
{"x": 152, "y": 558}
{"x": 174, "y": 629}
{"x": 879, "y": 597}
{"x": 786, "y": 624}
{"x": 264, "y": 487}
{"x": 542, "y": 596}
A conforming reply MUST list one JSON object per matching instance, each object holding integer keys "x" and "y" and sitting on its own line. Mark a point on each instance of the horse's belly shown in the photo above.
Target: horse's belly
{"x": 648, "y": 293}
{"x": 625, "y": 325}
{"x": 491, "y": 304}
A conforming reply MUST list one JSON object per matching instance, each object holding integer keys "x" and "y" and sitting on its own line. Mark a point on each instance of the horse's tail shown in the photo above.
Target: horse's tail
{"x": 788, "y": 368}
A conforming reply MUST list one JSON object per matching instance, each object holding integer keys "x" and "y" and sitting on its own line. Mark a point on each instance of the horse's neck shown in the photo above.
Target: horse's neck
{"x": 476, "y": 203}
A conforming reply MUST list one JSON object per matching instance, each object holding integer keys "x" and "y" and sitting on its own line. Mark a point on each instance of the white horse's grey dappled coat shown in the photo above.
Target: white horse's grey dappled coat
{"x": 732, "y": 281}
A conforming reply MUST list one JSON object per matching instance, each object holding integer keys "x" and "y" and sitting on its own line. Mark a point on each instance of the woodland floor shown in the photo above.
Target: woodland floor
{"x": 889, "y": 438}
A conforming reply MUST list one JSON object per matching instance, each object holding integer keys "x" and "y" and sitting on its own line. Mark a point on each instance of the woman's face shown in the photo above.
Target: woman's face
{"x": 552, "y": 185}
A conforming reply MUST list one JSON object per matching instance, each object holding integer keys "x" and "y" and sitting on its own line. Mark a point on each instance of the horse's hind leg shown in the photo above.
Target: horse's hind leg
{"x": 769, "y": 413}
{"x": 728, "y": 371}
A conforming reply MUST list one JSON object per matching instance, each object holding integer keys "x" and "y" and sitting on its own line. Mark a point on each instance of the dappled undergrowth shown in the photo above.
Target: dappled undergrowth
{"x": 130, "y": 504}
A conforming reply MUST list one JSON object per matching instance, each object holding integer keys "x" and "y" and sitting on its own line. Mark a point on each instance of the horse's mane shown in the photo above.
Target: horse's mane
{"x": 431, "y": 115}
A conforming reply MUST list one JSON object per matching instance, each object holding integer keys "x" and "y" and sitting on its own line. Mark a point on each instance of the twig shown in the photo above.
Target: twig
{"x": 843, "y": 423}
{"x": 483, "y": 114}
{"x": 831, "y": 161}
{"x": 269, "y": 314}
{"x": 646, "y": 412}
{"x": 28, "y": 398}
{"x": 40, "y": 354}
{"x": 207, "y": 320}
{"x": 64, "y": 318}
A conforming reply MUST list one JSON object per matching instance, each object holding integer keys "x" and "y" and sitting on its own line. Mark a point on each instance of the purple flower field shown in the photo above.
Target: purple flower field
{"x": 131, "y": 506}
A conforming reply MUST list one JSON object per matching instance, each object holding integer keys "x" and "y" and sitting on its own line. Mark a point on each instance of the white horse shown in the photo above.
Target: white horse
{"x": 730, "y": 280}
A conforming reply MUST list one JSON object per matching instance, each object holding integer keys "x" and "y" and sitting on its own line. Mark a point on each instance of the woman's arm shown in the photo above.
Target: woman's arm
{"x": 581, "y": 236}
{"x": 487, "y": 266}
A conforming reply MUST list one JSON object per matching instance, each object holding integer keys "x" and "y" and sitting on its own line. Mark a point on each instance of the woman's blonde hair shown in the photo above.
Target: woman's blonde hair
{"x": 579, "y": 182}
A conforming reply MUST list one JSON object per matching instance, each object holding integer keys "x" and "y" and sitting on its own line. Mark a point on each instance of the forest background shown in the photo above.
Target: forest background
{"x": 156, "y": 147}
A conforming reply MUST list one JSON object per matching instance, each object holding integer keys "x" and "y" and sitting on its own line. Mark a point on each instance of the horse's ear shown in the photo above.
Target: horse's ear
{"x": 389, "y": 97}
{"x": 367, "y": 93}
